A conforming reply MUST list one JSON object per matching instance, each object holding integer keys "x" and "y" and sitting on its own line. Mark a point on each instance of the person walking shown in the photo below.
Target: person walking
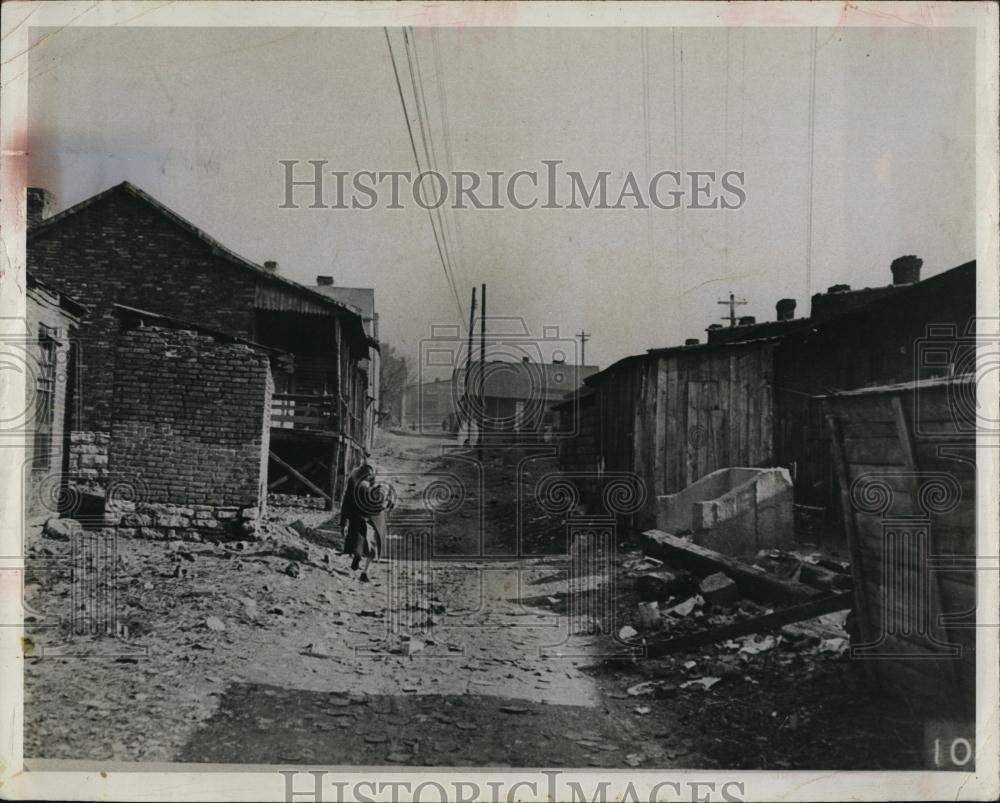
{"x": 362, "y": 518}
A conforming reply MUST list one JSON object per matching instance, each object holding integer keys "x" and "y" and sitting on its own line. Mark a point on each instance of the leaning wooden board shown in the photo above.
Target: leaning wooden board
{"x": 905, "y": 460}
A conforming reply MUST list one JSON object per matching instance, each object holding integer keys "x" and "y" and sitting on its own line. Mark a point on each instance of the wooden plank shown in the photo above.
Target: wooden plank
{"x": 334, "y": 474}
{"x": 874, "y": 450}
{"x": 798, "y": 613}
{"x": 299, "y": 476}
{"x": 752, "y": 582}
{"x": 660, "y": 432}
{"x": 862, "y": 603}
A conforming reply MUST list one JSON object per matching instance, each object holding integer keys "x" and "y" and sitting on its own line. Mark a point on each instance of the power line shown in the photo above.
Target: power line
{"x": 413, "y": 146}
{"x": 425, "y": 133}
{"x": 445, "y": 130}
{"x": 423, "y": 118}
{"x": 812, "y": 157}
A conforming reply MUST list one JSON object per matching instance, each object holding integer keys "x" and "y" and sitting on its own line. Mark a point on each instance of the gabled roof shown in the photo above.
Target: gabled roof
{"x": 43, "y": 227}
{"x": 363, "y": 298}
{"x": 67, "y": 303}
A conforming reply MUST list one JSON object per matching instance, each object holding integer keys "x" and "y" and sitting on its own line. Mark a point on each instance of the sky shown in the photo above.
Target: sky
{"x": 201, "y": 117}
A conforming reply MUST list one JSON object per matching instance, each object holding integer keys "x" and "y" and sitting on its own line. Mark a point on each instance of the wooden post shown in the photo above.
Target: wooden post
{"x": 334, "y": 473}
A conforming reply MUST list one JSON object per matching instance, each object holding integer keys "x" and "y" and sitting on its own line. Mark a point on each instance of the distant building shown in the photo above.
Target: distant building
{"x": 430, "y": 407}
{"x": 517, "y": 397}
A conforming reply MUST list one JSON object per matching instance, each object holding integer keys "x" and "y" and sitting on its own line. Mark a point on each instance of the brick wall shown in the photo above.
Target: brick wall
{"x": 121, "y": 250}
{"x": 190, "y": 420}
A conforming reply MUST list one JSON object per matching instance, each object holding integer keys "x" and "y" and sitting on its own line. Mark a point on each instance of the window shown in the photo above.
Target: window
{"x": 45, "y": 381}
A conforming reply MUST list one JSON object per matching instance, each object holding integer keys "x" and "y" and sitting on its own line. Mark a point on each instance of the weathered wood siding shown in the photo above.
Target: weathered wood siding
{"x": 905, "y": 456}
{"x": 673, "y": 417}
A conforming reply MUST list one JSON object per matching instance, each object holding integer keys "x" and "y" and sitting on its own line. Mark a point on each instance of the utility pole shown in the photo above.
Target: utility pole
{"x": 584, "y": 337}
{"x": 732, "y": 303}
{"x": 467, "y": 411}
{"x": 482, "y": 369}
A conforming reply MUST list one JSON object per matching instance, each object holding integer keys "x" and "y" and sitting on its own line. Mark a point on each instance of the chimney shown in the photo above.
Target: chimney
{"x": 40, "y": 203}
{"x": 906, "y": 270}
{"x": 785, "y": 309}
{"x": 747, "y": 320}
{"x": 271, "y": 266}
{"x": 691, "y": 341}
{"x": 324, "y": 281}
{"x": 838, "y": 288}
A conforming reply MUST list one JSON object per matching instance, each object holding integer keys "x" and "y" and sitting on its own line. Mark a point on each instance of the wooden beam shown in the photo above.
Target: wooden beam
{"x": 754, "y": 583}
{"x": 299, "y": 476}
{"x": 334, "y": 473}
{"x": 797, "y": 613}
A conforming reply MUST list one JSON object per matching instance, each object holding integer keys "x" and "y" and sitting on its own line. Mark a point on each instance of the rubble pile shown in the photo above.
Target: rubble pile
{"x": 752, "y": 696}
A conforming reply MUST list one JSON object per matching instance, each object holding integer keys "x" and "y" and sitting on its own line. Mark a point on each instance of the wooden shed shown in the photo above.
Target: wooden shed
{"x": 671, "y": 416}
{"x": 905, "y": 455}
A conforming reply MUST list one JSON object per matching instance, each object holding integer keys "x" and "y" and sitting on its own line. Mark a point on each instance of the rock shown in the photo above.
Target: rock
{"x": 61, "y": 529}
{"x": 634, "y": 759}
{"x": 410, "y": 646}
{"x": 292, "y": 552}
{"x": 513, "y": 709}
{"x": 215, "y": 623}
{"x": 660, "y": 585}
{"x": 398, "y": 758}
{"x": 627, "y": 633}
{"x": 642, "y": 710}
{"x": 718, "y": 590}
{"x": 292, "y": 570}
{"x": 376, "y": 738}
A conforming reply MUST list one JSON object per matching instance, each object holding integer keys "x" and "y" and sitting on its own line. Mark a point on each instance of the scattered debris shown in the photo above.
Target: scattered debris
{"x": 685, "y": 608}
{"x": 661, "y": 585}
{"x": 649, "y": 615}
{"x": 61, "y": 529}
{"x": 719, "y": 591}
{"x": 752, "y": 582}
{"x": 704, "y": 683}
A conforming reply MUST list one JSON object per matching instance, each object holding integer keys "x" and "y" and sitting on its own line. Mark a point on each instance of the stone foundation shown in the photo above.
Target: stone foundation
{"x": 295, "y": 500}
{"x": 164, "y": 522}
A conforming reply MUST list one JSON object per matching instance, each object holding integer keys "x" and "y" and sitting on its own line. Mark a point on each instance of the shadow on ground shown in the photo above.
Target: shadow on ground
{"x": 268, "y": 724}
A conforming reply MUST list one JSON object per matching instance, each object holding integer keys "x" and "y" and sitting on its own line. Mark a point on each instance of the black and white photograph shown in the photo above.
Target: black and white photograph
{"x": 499, "y": 401}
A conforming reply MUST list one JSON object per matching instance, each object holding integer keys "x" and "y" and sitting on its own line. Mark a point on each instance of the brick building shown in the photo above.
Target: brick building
{"x": 190, "y": 429}
{"x": 123, "y": 247}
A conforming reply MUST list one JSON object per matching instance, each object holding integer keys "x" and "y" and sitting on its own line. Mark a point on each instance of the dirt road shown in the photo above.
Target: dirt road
{"x": 237, "y": 656}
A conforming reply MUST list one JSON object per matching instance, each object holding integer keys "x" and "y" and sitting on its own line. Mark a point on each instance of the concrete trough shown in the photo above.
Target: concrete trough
{"x": 736, "y": 511}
